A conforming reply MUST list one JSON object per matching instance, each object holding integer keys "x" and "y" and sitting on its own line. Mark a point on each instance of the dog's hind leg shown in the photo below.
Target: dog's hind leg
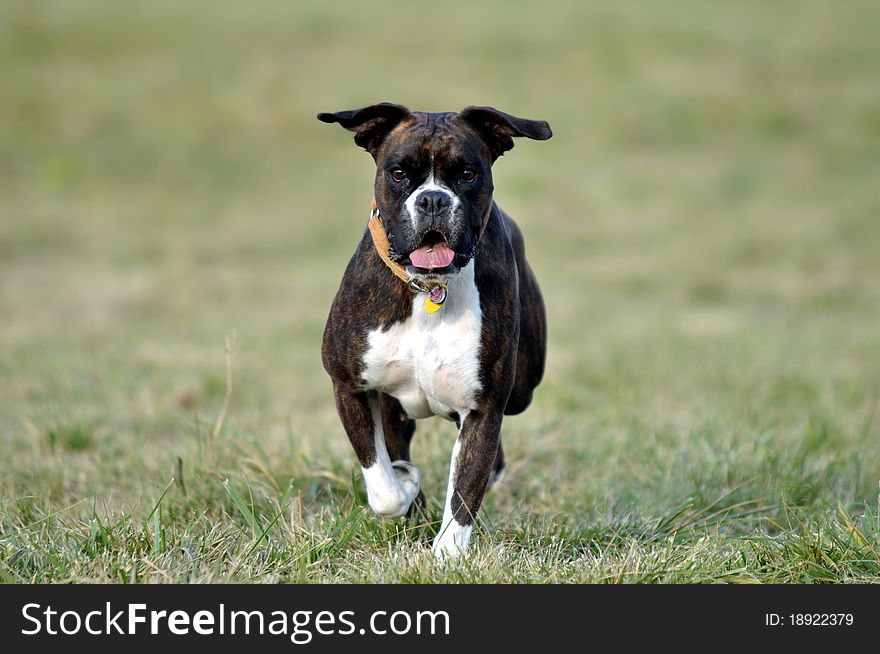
{"x": 391, "y": 485}
{"x": 399, "y": 428}
{"x": 497, "y": 468}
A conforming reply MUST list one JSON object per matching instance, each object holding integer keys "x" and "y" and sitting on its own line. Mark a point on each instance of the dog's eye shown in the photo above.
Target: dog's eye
{"x": 468, "y": 175}
{"x": 398, "y": 175}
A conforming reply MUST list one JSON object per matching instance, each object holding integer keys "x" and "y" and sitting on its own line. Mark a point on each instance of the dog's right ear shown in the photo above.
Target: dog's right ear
{"x": 369, "y": 124}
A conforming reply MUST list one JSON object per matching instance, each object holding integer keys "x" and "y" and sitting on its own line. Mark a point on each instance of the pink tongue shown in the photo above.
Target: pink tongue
{"x": 438, "y": 255}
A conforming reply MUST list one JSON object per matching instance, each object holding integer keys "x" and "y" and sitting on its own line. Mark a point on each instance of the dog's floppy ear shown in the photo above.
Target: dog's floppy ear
{"x": 369, "y": 124}
{"x": 498, "y": 128}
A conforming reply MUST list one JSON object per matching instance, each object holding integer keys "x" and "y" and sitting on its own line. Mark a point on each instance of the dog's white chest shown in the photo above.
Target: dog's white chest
{"x": 431, "y": 362}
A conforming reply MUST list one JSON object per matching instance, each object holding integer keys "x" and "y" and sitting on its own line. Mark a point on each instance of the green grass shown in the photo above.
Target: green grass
{"x": 704, "y": 225}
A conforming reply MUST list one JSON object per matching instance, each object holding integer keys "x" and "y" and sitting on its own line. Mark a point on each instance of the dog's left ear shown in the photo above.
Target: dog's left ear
{"x": 369, "y": 124}
{"x": 498, "y": 128}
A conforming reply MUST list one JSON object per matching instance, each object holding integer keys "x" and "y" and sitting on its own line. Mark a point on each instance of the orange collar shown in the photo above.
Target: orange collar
{"x": 383, "y": 247}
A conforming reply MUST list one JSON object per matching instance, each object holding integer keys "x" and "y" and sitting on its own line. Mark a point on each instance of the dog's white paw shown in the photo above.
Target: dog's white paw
{"x": 390, "y": 495}
{"x": 452, "y": 541}
{"x": 409, "y": 477}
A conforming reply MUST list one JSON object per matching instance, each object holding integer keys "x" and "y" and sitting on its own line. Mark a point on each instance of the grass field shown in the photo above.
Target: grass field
{"x": 705, "y": 224}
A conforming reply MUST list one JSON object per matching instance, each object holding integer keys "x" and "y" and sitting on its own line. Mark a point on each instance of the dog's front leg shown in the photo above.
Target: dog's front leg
{"x": 391, "y": 486}
{"x": 473, "y": 459}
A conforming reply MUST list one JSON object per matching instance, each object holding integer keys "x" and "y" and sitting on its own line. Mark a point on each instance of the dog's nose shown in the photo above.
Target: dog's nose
{"x": 433, "y": 202}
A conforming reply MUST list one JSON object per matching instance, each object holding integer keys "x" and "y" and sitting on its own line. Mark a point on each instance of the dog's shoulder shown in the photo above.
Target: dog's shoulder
{"x": 496, "y": 253}
{"x": 368, "y": 298}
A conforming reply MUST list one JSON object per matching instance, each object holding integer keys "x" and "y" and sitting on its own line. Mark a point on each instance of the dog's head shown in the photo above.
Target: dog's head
{"x": 434, "y": 176}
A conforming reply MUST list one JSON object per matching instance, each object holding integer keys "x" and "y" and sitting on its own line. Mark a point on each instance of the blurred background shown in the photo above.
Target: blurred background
{"x": 704, "y": 224}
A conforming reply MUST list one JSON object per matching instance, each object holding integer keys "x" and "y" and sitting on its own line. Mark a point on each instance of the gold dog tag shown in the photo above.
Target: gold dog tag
{"x": 436, "y": 298}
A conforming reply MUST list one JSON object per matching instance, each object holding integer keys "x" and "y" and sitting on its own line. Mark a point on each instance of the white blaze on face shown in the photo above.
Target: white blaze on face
{"x": 429, "y": 184}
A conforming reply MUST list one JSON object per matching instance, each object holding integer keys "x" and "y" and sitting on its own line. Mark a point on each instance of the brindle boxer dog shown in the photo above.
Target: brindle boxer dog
{"x": 438, "y": 313}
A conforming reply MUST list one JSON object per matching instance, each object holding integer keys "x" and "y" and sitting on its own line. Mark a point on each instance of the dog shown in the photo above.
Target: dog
{"x": 438, "y": 312}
